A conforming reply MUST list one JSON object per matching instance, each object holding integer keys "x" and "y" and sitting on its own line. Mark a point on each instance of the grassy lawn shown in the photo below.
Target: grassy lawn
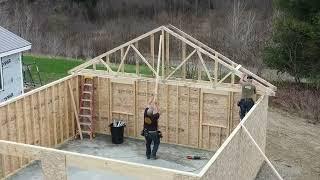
{"x": 50, "y": 68}
{"x": 53, "y": 68}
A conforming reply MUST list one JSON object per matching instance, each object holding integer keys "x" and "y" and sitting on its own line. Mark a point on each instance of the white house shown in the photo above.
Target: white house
{"x": 11, "y": 78}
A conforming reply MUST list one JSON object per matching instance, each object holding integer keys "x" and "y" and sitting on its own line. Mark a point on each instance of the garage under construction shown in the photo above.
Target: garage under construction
{"x": 61, "y": 130}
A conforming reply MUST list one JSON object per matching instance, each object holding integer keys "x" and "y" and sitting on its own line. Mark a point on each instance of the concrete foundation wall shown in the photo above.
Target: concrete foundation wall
{"x": 12, "y": 77}
{"x": 238, "y": 158}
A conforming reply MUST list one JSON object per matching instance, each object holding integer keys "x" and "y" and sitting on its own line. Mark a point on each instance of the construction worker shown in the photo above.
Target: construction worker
{"x": 247, "y": 95}
{"x": 150, "y": 128}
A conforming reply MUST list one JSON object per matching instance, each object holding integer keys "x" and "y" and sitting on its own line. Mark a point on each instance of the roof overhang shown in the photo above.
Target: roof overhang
{"x": 14, "y": 51}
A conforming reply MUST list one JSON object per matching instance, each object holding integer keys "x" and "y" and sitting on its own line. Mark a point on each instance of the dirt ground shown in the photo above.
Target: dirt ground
{"x": 293, "y": 146}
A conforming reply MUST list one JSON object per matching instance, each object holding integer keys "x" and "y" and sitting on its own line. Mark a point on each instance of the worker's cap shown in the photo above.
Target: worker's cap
{"x": 150, "y": 112}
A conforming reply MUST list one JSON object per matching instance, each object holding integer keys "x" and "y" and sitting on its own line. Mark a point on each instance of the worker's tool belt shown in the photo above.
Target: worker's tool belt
{"x": 244, "y": 100}
{"x": 145, "y": 132}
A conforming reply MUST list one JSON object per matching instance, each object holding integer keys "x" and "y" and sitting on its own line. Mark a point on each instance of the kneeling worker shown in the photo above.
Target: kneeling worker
{"x": 247, "y": 95}
{"x": 150, "y": 128}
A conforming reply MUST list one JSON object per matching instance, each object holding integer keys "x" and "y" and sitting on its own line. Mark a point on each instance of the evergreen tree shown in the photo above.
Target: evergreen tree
{"x": 295, "y": 44}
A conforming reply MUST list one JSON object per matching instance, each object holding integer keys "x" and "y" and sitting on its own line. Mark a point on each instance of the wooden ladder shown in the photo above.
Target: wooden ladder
{"x": 86, "y": 119}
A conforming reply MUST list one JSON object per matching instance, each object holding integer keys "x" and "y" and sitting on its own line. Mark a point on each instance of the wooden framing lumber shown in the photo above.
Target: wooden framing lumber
{"x": 200, "y": 117}
{"x": 205, "y": 67}
{"x": 135, "y": 47}
{"x": 218, "y": 55}
{"x": 75, "y": 110}
{"x": 152, "y": 49}
{"x": 18, "y": 130}
{"x": 201, "y": 50}
{"x": 261, "y": 152}
{"x": 40, "y": 113}
{"x": 61, "y": 117}
{"x": 162, "y": 54}
{"x": 167, "y": 54}
{"x": 123, "y": 57}
{"x": 135, "y": 108}
{"x": 167, "y": 114}
{"x": 177, "y": 120}
{"x": 216, "y": 67}
{"x": 106, "y": 65}
{"x": 54, "y": 114}
{"x": 47, "y": 116}
{"x": 259, "y": 81}
{"x": 198, "y": 95}
{"x": 226, "y": 76}
{"x": 181, "y": 64}
{"x": 183, "y": 56}
{"x": 143, "y": 59}
{"x": 185, "y": 35}
{"x": 158, "y": 67}
{"x": 66, "y": 108}
{"x": 199, "y": 67}
{"x": 87, "y": 64}
{"x": 188, "y": 116}
{"x": 186, "y": 39}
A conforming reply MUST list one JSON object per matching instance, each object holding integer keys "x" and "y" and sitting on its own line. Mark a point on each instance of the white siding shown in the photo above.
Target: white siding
{"x": 12, "y": 77}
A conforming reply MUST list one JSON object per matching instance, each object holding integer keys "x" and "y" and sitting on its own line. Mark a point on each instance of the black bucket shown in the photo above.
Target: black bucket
{"x": 116, "y": 134}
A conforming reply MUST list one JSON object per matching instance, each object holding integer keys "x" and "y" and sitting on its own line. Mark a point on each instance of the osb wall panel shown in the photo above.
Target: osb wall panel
{"x": 53, "y": 165}
{"x": 186, "y": 117}
{"x": 43, "y": 118}
{"x": 240, "y": 159}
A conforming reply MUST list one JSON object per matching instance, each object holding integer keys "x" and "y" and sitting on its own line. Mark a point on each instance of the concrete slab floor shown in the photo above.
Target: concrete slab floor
{"x": 132, "y": 150}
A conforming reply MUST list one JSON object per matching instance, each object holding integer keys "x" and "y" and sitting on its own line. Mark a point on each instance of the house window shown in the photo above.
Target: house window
{"x": 1, "y": 75}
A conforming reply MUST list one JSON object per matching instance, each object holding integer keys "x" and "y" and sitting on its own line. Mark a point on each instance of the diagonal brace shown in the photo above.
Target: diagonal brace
{"x": 181, "y": 64}
{"x": 143, "y": 59}
{"x": 261, "y": 152}
{"x": 106, "y": 65}
{"x": 205, "y": 67}
{"x": 123, "y": 58}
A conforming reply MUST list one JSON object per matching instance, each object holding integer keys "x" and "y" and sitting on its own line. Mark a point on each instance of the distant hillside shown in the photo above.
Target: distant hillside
{"x": 86, "y": 28}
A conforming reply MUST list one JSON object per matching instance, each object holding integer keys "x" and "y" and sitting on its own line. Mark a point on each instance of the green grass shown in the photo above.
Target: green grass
{"x": 50, "y": 68}
{"x": 53, "y": 68}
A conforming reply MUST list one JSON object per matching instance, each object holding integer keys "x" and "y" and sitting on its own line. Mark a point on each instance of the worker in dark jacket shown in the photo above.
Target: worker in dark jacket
{"x": 248, "y": 94}
{"x": 150, "y": 126}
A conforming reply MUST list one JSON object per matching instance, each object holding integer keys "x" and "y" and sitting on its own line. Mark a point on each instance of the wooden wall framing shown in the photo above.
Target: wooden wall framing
{"x": 42, "y": 117}
{"x": 195, "y": 116}
{"x": 199, "y": 113}
{"x": 237, "y": 158}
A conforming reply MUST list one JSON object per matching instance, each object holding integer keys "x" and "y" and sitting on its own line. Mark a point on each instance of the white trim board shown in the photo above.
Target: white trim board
{"x": 7, "y": 53}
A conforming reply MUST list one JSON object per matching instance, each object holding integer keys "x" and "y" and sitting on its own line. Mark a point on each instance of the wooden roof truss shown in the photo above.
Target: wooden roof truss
{"x": 199, "y": 49}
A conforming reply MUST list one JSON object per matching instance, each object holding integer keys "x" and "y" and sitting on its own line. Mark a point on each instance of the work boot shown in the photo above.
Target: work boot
{"x": 154, "y": 157}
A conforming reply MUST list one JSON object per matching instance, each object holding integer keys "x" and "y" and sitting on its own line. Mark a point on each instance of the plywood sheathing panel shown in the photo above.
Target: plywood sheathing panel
{"x": 179, "y": 106}
{"x": 239, "y": 158}
{"x": 53, "y": 165}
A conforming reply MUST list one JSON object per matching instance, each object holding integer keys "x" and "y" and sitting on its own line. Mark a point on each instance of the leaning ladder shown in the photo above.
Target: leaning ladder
{"x": 86, "y": 119}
